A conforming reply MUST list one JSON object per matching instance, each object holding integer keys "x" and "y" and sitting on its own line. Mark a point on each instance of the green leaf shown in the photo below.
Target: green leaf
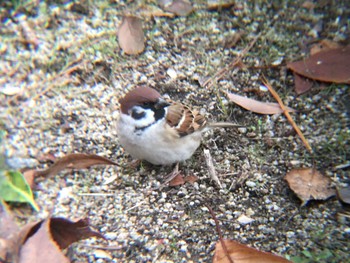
{"x": 325, "y": 254}
{"x": 14, "y": 188}
{"x": 307, "y": 253}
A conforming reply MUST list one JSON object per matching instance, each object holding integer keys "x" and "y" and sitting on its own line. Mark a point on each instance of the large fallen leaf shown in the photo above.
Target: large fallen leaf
{"x": 130, "y": 35}
{"x": 41, "y": 248}
{"x": 308, "y": 183}
{"x": 75, "y": 161}
{"x": 47, "y": 238}
{"x": 65, "y": 232}
{"x": 8, "y": 229}
{"x": 256, "y": 106}
{"x": 329, "y": 66}
{"x": 14, "y": 188}
{"x": 42, "y": 241}
{"x": 240, "y": 253}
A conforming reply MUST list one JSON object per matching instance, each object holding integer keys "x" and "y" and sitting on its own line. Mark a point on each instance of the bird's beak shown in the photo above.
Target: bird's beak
{"x": 161, "y": 103}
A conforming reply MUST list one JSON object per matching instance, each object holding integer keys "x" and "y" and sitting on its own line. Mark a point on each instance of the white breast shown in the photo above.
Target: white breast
{"x": 158, "y": 144}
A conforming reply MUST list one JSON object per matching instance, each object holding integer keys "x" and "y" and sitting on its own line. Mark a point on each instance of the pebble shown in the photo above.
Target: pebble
{"x": 172, "y": 73}
{"x": 244, "y": 220}
{"x": 242, "y": 130}
{"x": 102, "y": 254}
{"x": 250, "y": 184}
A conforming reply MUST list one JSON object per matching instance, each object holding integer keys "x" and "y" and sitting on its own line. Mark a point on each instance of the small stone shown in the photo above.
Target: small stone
{"x": 244, "y": 220}
{"x": 111, "y": 235}
{"x": 251, "y": 134}
{"x": 172, "y": 73}
{"x": 294, "y": 162}
{"x": 250, "y": 184}
{"x": 242, "y": 130}
{"x": 101, "y": 254}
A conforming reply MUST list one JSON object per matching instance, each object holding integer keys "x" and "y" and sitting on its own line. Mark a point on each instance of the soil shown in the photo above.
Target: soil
{"x": 62, "y": 73}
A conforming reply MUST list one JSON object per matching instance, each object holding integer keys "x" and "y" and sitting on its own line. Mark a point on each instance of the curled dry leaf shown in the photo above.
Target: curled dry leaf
{"x": 324, "y": 45}
{"x": 40, "y": 247}
{"x": 257, "y": 106}
{"x": 180, "y": 180}
{"x": 39, "y": 242}
{"x": 308, "y": 183}
{"x": 302, "y": 84}
{"x": 240, "y": 253}
{"x": 47, "y": 238}
{"x": 8, "y": 233}
{"x": 75, "y": 161}
{"x": 153, "y": 11}
{"x": 220, "y": 4}
{"x": 191, "y": 179}
{"x": 130, "y": 35}
{"x": 177, "y": 180}
{"x": 178, "y": 7}
{"x": 329, "y": 66}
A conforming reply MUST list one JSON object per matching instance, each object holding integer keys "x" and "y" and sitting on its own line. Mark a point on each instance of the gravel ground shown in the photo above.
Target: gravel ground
{"x": 66, "y": 72}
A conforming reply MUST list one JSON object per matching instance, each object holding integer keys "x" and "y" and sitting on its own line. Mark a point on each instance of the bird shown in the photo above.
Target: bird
{"x": 160, "y": 131}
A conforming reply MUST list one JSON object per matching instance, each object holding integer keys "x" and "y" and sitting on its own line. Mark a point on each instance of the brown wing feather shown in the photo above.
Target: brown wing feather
{"x": 184, "y": 120}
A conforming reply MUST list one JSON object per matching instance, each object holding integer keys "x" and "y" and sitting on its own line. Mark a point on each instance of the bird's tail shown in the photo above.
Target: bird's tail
{"x": 223, "y": 125}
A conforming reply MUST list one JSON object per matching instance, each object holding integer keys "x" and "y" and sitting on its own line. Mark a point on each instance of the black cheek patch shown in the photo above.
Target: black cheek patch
{"x": 137, "y": 115}
{"x": 159, "y": 113}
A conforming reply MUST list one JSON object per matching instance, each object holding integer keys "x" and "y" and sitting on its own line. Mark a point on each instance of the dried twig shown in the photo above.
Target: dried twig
{"x": 211, "y": 168}
{"x": 286, "y": 113}
{"x": 218, "y": 230}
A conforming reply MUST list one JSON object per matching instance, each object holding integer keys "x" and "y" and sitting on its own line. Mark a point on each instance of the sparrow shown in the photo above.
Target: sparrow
{"x": 160, "y": 131}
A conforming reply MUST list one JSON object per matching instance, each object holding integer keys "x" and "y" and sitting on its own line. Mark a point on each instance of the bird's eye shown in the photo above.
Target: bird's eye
{"x": 148, "y": 104}
{"x": 137, "y": 114}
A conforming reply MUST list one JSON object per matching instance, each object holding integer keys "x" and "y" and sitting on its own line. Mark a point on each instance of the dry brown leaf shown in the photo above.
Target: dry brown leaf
{"x": 220, "y": 4}
{"x": 8, "y": 228}
{"x": 47, "y": 238}
{"x": 40, "y": 247}
{"x": 75, "y": 161}
{"x": 39, "y": 242}
{"x": 191, "y": 179}
{"x": 65, "y": 232}
{"x": 329, "y": 66}
{"x": 302, "y": 84}
{"x": 177, "y": 180}
{"x": 308, "y": 183}
{"x": 153, "y": 11}
{"x": 240, "y": 253}
{"x": 257, "y": 106}
{"x": 324, "y": 45}
{"x": 130, "y": 35}
{"x": 29, "y": 175}
{"x": 308, "y": 5}
{"x": 178, "y": 7}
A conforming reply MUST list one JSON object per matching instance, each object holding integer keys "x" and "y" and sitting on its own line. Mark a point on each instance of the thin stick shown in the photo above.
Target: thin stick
{"x": 95, "y": 194}
{"x": 211, "y": 167}
{"x": 286, "y": 113}
{"x": 218, "y": 230}
{"x": 103, "y": 247}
